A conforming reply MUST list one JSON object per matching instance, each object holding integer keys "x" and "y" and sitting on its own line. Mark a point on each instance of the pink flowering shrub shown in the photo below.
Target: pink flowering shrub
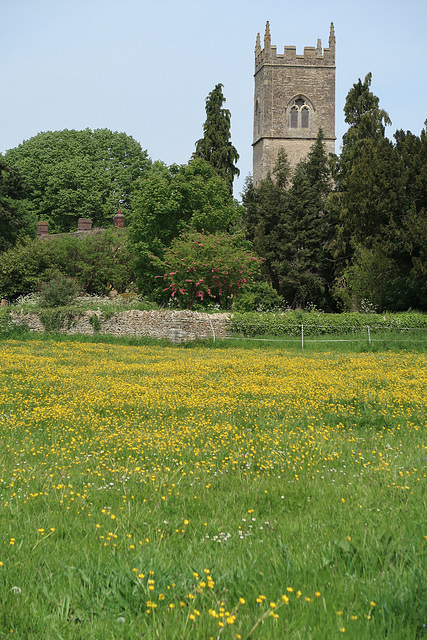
{"x": 207, "y": 266}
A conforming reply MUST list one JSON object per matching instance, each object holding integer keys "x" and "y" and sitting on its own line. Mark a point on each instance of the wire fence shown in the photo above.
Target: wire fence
{"x": 368, "y": 336}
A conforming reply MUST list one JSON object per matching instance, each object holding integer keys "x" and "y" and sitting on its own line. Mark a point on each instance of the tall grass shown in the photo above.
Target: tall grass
{"x": 175, "y": 492}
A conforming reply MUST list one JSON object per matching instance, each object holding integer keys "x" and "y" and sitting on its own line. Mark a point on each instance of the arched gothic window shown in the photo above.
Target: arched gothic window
{"x": 294, "y": 117}
{"x": 300, "y": 113}
{"x": 305, "y": 115}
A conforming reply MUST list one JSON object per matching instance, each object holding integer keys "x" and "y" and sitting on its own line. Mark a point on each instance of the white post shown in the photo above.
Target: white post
{"x": 369, "y": 336}
{"x": 213, "y": 332}
{"x": 302, "y": 337}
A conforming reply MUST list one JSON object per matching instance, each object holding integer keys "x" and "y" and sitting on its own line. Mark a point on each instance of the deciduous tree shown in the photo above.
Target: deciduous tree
{"x": 72, "y": 174}
{"x": 172, "y": 199}
{"x": 207, "y": 266}
{"x": 15, "y": 220}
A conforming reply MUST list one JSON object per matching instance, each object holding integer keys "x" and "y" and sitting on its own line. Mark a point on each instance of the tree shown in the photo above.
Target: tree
{"x": 172, "y": 199}
{"x": 286, "y": 221}
{"x": 72, "y": 174}
{"x": 367, "y": 205}
{"x": 206, "y": 266}
{"x": 364, "y": 145}
{"x": 264, "y": 208}
{"x": 305, "y": 231}
{"x": 412, "y": 150}
{"x": 15, "y": 221}
{"x": 215, "y": 147}
{"x": 363, "y": 114}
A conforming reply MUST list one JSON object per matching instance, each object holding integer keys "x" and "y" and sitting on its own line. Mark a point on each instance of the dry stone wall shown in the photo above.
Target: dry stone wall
{"x": 176, "y": 326}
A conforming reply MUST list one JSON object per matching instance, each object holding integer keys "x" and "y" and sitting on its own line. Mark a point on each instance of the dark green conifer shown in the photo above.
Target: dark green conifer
{"x": 215, "y": 147}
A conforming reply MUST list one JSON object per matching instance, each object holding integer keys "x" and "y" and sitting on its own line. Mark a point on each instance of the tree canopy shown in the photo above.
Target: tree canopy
{"x": 285, "y": 219}
{"x": 215, "y": 147}
{"x": 15, "y": 221}
{"x": 72, "y": 174}
{"x": 173, "y": 199}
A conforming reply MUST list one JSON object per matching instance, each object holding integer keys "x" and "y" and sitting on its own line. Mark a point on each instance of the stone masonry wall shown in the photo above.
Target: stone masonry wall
{"x": 176, "y": 326}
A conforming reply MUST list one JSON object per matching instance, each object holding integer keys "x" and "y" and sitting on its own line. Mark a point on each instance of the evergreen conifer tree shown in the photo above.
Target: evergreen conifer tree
{"x": 367, "y": 205}
{"x": 305, "y": 267}
{"x": 215, "y": 147}
{"x": 264, "y": 206}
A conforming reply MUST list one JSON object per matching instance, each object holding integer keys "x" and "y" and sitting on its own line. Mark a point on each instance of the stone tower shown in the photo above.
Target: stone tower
{"x": 294, "y": 98}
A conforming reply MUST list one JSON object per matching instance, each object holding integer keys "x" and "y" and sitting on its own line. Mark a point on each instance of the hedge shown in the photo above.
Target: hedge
{"x": 289, "y": 323}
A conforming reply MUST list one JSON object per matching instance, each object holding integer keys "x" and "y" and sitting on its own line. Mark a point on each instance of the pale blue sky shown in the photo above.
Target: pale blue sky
{"x": 145, "y": 68}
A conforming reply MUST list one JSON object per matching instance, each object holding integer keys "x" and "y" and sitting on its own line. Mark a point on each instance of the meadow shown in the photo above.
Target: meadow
{"x": 228, "y": 493}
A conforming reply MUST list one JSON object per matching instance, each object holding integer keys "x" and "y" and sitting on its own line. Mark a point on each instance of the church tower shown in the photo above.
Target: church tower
{"x": 294, "y": 98}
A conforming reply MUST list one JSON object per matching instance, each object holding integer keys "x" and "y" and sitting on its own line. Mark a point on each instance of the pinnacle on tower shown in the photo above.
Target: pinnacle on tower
{"x": 267, "y": 36}
{"x": 258, "y": 45}
{"x": 332, "y": 37}
{"x": 319, "y": 47}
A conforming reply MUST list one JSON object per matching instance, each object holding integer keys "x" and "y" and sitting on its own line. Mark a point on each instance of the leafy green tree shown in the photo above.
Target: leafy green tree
{"x": 412, "y": 150}
{"x": 257, "y": 295}
{"x": 172, "y": 199}
{"x": 99, "y": 262}
{"x": 72, "y": 174}
{"x": 215, "y": 147}
{"x": 206, "y": 267}
{"x": 15, "y": 221}
{"x": 369, "y": 277}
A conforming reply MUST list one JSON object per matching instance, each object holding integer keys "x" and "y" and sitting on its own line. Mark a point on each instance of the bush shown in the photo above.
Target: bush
{"x": 257, "y": 296}
{"x": 99, "y": 262}
{"x": 25, "y": 266}
{"x": 59, "y": 292}
{"x": 210, "y": 267}
{"x": 289, "y": 323}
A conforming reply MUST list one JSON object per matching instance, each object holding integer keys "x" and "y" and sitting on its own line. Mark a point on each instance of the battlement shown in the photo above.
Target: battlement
{"x": 312, "y": 57}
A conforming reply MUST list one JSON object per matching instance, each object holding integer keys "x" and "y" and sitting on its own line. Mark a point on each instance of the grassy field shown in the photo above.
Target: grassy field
{"x": 172, "y": 492}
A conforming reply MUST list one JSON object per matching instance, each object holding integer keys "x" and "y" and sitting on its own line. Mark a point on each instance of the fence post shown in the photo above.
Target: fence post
{"x": 302, "y": 337}
{"x": 213, "y": 332}
{"x": 369, "y": 335}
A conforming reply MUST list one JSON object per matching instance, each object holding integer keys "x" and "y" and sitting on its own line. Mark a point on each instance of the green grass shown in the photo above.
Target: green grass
{"x": 277, "y": 473}
{"x": 381, "y": 341}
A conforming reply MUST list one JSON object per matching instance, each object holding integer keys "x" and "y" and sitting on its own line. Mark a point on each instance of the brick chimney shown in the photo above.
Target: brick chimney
{"x": 119, "y": 220}
{"x": 42, "y": 228}
{"x": 84, "y": 224}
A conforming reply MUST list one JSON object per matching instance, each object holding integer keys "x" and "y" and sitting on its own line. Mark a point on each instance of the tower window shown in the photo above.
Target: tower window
{"x": 304, "y": 117}
{"x": 300, "y": 113}
{"x": 294, "y": 118}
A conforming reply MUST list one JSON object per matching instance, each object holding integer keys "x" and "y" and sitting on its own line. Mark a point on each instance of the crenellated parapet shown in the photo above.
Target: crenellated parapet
{"x": 312, "y": 56}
